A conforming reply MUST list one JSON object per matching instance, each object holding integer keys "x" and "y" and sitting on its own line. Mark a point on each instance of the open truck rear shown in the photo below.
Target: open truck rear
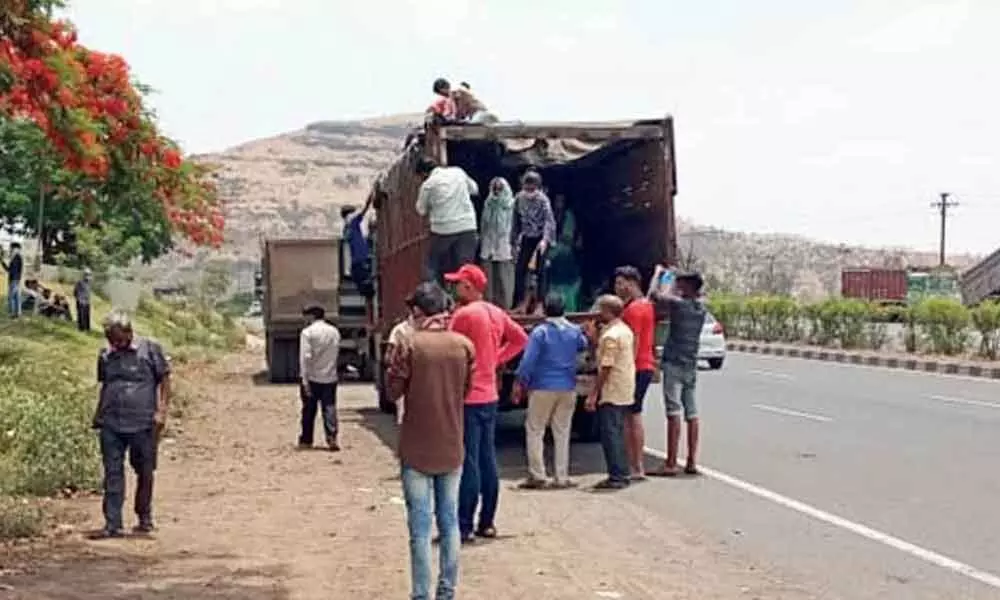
{"x": 619, "y": 179}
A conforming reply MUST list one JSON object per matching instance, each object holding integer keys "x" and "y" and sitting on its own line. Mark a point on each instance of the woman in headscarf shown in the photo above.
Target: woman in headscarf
{"x": 563, "y": 275}
{"x": 496, "y": 250}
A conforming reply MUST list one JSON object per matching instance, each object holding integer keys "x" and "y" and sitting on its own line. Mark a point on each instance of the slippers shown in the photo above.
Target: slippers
{"x": 691, "y": 470}
{"x": 664, "y": 472}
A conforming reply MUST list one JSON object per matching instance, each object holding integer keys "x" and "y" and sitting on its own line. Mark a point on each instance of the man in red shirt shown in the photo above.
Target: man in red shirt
{"x": 497, "y": 339}
{"x": 640, "y": 316}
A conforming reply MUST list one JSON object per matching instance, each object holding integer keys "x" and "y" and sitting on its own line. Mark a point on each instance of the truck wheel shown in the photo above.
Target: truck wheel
{"x": 715, "y": 363}
{"x": 585, "y": 424}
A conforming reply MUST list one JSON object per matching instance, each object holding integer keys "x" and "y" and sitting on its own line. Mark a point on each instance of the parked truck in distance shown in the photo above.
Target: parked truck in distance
{"x": 296, "y": 273}
{"x": 904, "y": 287}
{"x": 618, "y": 180}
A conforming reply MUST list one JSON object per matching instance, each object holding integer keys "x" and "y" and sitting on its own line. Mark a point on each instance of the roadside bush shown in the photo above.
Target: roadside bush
{"x": 945, "y": 325}
{"x": 986, "y": 320}
{"x": 876, "y": 334}
{"x": 840, "y": 322}
{"x": 19, "y": 518}
{"x": 727, "y": 310}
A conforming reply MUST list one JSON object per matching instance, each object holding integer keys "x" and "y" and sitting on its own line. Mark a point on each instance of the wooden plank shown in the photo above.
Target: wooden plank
{"x": 582, "y": 131}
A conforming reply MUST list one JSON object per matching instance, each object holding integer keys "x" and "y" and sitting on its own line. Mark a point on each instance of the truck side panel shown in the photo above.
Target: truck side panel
{"x": 876, "y": 285}
{"x": 298, "y": 273}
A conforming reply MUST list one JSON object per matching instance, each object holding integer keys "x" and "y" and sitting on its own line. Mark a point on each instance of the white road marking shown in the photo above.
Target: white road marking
{"x": 864, "y": 531}
{"x": 953, "y": 400}
{"x": 771, "y": 374}
{"x": 792, "y": 413}
{"x": 847, "y": 365}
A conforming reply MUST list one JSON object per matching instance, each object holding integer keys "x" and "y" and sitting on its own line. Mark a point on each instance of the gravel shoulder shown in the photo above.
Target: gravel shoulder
{"x": 244, "y": 515}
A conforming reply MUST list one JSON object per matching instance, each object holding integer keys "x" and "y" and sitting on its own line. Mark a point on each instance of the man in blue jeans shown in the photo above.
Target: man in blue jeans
{"x": 15, "y": 269}
{"x": 432, "y": 368}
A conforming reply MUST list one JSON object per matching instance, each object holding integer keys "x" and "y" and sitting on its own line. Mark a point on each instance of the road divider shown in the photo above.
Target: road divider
{"x": 871, "y": 359}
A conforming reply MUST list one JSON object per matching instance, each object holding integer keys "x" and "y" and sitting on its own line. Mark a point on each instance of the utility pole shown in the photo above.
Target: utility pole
{"x": 943, "y": 205}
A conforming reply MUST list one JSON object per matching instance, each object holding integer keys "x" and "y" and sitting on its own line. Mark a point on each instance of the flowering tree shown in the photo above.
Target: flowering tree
{"x": 75, "y": 130}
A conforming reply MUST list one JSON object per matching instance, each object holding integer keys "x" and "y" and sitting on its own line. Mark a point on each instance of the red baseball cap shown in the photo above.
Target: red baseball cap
{"x": 470, "y": 274}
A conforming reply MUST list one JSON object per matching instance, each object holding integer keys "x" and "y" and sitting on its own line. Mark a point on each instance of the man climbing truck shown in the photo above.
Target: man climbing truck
{"x": 616, "y": 180}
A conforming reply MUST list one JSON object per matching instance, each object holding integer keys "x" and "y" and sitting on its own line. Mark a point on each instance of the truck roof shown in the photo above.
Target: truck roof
{"x": 595, "y": 131}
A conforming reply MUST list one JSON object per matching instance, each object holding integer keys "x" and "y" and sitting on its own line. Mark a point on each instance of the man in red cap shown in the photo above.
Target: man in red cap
{"x": 497, "y": 339}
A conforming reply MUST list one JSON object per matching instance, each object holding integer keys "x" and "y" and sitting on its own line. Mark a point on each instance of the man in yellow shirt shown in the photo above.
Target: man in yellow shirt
{"x": 614, "y": 390}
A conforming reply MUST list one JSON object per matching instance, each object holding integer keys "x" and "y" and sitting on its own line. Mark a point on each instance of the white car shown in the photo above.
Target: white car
{"x": 712, "y": 346}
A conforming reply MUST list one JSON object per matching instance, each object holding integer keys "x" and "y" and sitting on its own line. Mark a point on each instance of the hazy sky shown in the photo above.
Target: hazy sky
{"x": 837, "y": 119}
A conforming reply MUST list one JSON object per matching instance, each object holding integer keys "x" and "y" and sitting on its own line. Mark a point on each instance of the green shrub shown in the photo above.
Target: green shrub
{"x": 986, "y": 320}
{"x": 728, "y": 310}
{"x": 945, "y": 325}
{"x": 876, "y": 334}
{"x": 19, "y": 518}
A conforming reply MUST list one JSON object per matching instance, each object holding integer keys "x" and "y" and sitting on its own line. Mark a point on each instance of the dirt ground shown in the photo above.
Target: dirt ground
{"x": 244, "y": 515}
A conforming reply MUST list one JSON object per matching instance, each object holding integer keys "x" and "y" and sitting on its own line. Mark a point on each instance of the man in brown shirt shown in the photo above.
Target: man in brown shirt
{"x": 433, "y": 368}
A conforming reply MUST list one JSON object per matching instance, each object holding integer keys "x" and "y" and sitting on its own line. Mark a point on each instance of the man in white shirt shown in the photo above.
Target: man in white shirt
{"x": 446, "y": 199}
{"x": 319, "y": 347}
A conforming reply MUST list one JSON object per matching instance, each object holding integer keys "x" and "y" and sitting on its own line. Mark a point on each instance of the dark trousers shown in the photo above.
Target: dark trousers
{"x": 83, "y": 316}
{"x": 479, "y": 471}
{"x": 141, "y": 449}
{"x": 449, "y": 252}
{"x": 321, "y": 396}
{"x": 527, "y": 248}
{"x": 611, "y": 418}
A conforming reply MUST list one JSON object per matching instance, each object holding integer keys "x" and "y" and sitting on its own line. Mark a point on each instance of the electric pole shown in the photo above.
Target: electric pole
{"x": 943, "y": 205}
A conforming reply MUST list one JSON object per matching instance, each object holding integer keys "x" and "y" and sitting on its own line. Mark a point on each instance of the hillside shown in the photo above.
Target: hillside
{"x": 294, "y": 183}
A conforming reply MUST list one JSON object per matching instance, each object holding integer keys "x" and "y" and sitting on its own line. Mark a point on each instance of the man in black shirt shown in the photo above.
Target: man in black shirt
{"x": 15, "y": 269}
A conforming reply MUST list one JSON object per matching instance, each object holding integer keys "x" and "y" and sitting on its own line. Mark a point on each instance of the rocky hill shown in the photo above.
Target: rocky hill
{"x": 294, "y": 184}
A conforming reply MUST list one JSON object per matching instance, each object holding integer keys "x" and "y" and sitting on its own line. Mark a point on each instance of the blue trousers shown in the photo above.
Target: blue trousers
{"x": 479, "y": 472}
{"x": 430, "y": 496}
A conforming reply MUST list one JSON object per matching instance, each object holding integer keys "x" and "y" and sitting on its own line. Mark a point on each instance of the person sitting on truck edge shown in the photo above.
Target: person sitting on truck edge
{"x": 442, "y": 110}
{"x": 319, "y": 348}
{"x": 433, "y": 367}
{"x": 496, "y": 250}
{"x": 640, "y": 316}
{"x": 614, "y": 390}
{"x": 469, "y": 108}
{"x": 357, "y": 244}
{"x": 547, "y": 373}
{"x": 686, "y": 314}
{"x": 534, "y": 229}
{"x": 497, "y": 339}
{"x": 445, "y": 197}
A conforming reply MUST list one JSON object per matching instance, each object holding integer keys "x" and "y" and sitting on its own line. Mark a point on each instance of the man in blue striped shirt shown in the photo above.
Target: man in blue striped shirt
{"x": 548, "y": 373}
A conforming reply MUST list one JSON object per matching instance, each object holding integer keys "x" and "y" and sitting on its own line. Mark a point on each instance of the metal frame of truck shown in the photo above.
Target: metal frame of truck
{"x": 408, "y": 244}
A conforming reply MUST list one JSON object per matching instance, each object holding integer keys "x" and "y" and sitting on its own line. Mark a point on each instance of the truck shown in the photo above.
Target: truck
{"x": 981, "y": 282}
{"x": 897, "y": 286}
{"x": 296, "y": 273}
{"x": 618, "y": 178}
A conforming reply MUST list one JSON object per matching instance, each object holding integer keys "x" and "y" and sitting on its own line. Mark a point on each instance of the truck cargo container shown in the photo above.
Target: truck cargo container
{"x": 296, "y": 273}
{"x": 874, "y": 285}
{"x": 619, "y": 179}
{"x": 981, "y": 281}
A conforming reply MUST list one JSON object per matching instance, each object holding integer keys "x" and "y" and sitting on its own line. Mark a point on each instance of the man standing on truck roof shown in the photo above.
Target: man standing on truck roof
{"x": 433, "y": 367}
{"x": 319, "y": 349}
{"x": 497, "y": 339}
{"x": 686, "y": 314}
{"x": 534, "y": 231}
{"x": 640, "y": 316}
{"x": 614, "y": 390}
{"x": 446, "y": 199}
{"x": 357, "y": 244}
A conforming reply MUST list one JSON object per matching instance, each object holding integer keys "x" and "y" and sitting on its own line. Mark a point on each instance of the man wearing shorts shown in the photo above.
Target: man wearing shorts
{"x": 640, "y": 316}
{"x": 686, "y": 313}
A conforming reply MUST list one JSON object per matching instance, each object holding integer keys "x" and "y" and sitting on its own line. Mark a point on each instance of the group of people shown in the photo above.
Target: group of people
{"x": 457, "y": 105}
{"x": 525, "y": 241}
{"x": 26, "y": 295}
{"x": 443, "y": 366}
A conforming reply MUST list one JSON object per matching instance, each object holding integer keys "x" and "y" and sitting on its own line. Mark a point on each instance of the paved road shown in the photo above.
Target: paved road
{"x": 808, "y": 458}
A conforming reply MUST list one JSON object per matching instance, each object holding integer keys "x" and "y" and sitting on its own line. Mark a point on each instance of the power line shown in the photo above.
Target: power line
{"x": 942, "y": 206}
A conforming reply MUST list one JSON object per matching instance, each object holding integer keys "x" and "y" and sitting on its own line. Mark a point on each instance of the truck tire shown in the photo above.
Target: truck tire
{"x": 585, "y": 424}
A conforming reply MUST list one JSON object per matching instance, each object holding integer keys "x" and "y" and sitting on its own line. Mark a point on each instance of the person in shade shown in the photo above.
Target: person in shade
{"x": 134, "y": 378}
{"x": 496, "y": 250}
{"x": 547, "y": 373}
{"x": 81, "y": 293}
{"x": 497, "y": 339}
{"x": 640, "y": 316}
{"x": 614, "y": 390}
{"x": 433, "y": 368}
{"x": 15, "y": 270}
{"x": 682, "y": 304}
{"x": 445, "y": 198}
{"x": 319, "y": 349}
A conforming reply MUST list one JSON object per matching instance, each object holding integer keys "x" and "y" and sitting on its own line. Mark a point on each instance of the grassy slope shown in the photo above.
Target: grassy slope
{"x": 48, "y": 392}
